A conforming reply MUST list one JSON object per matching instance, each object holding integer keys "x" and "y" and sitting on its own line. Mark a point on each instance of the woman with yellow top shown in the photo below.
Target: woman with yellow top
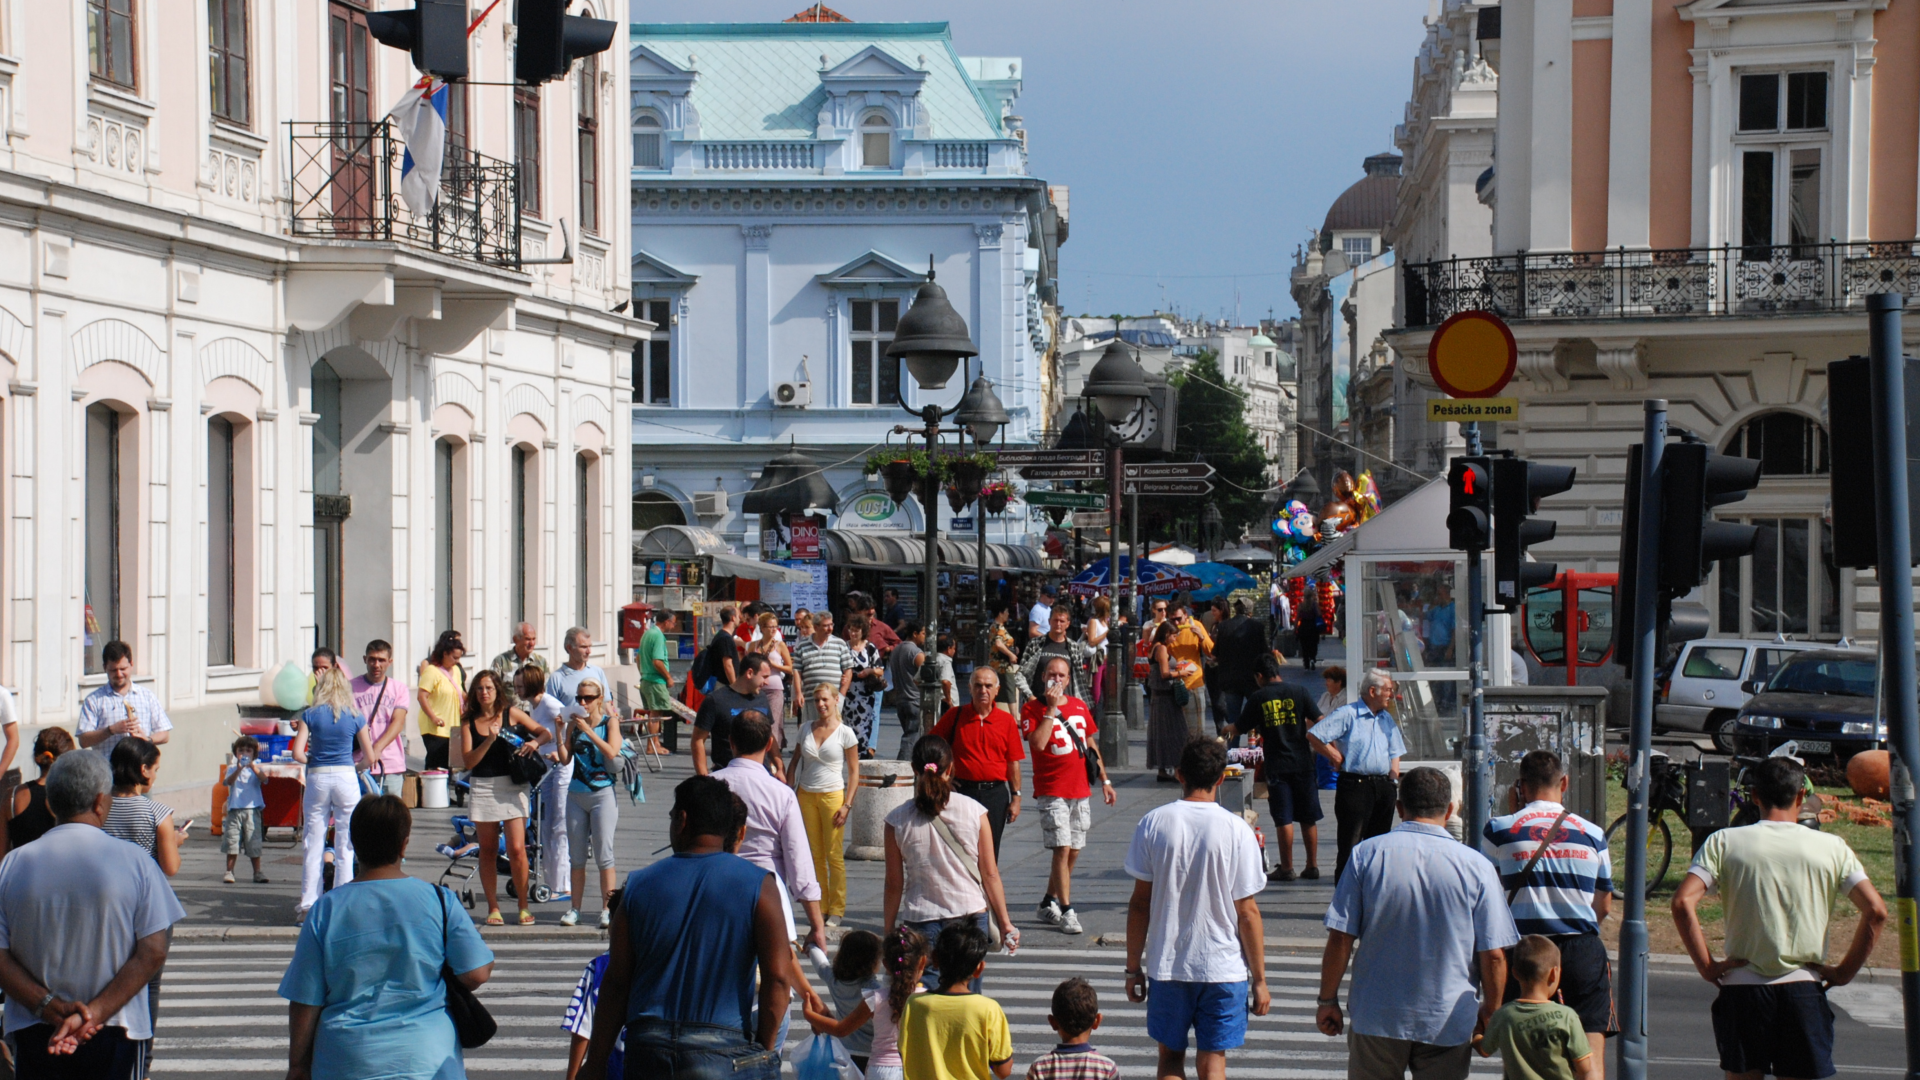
{"x": 1190, "y": 645}
{"x": 440, "y": 698}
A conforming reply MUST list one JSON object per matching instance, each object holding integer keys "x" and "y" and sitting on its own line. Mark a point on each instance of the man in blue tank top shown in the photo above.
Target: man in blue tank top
{"x": 681, "y": 967}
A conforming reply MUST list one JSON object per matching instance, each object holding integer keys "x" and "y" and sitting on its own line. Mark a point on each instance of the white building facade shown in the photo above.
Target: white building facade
{"x": 791, "y": 182}
{"x": 251, "y": 404}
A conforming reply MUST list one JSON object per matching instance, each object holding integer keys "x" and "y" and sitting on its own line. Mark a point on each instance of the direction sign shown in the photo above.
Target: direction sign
{"x": 1166, "y": 487}
{"x": 1472, "y": 355}
{"x": 1071, "y": 500}
{"x": 1171, "y": 470}
{"x": 1091, "y": 519}
{"x": 1011, "y": 458}
{"x": 1063, "y": 472}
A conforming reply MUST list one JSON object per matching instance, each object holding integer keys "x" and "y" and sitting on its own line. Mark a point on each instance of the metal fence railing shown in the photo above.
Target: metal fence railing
{"x": 1691, "y": 282}
{"x": 346, "y": 186}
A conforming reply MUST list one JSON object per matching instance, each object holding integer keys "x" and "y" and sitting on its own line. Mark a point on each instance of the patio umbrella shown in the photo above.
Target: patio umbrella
{"x": 1156, "y": 579}
{"x": 1219, "y": 579}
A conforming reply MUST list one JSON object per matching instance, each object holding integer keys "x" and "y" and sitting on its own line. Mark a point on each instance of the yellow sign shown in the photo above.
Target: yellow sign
{"x": 1466, "y": 410}
{"x": 1472, "y": 355}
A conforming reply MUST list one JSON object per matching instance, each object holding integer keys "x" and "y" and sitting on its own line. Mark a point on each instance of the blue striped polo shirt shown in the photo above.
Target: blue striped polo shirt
{"x": 1558, "y": 895}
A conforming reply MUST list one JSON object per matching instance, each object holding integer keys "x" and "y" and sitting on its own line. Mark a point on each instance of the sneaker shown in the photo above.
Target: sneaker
{"x": 606, "y": 919}
{"x": 1311, "y": 873}
{"x": 260, "y": 878}
{"x": 833, "y": 920}
{"x": 1280, "y": 873}
{"x": 229, "y": 878}
{"x": 1049, "y": 911}
{"x": 1070, "y": 921}
{"x": 559, "y": 898}
{"x": 571, "y": 918}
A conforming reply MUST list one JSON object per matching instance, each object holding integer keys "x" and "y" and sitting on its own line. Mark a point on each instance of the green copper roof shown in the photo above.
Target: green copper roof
{"x": 762, "y": 80}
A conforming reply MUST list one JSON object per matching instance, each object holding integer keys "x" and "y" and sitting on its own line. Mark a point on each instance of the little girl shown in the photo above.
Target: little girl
{"x": 906, "y": 954}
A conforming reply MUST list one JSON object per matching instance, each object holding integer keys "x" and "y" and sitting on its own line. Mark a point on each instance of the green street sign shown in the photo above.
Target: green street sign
{"x": 1070, "y": 500}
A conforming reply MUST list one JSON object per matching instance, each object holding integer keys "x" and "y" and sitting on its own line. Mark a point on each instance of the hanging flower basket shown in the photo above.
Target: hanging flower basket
{"x": 968, "y": 475}
{"x": 900, "y": 477}
{"x": 995, "y": 497}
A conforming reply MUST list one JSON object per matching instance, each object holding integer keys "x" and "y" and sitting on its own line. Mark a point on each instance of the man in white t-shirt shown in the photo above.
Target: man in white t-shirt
{"x": 84, "y": 919}
{"x": 1040, "y": 618}
{"x": 1195, "y": 948}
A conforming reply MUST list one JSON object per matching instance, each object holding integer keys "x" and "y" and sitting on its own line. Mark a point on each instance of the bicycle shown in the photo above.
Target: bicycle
{"x": 1667, "y": 792}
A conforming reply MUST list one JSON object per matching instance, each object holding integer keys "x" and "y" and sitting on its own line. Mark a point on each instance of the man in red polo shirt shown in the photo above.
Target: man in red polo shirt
{"x": 987, "y": 752}
{"x": 1061, "y": 731}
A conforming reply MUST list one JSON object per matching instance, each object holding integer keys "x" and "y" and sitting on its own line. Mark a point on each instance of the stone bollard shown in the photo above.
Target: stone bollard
{"x": 884, "y": 784}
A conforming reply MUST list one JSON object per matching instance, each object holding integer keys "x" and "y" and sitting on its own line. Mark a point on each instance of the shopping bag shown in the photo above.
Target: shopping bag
{"x": 825, "y": 1059}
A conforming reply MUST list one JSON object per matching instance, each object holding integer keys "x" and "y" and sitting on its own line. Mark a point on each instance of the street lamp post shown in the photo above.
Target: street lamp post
{"x": 982, "y": 414}
{"x": 1116, "y": 388}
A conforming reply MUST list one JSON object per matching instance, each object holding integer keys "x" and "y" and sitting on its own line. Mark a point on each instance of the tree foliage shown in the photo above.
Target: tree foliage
{"x": 1213, "y": 428}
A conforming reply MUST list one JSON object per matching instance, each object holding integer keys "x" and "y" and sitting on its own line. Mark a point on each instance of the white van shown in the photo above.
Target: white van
{"x": 1704, "y": 692}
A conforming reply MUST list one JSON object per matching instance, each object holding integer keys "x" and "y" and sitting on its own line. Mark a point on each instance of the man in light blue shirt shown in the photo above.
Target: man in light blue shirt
{"x": 1363, "y": 742}
{"x": 566, "y": 678}
{"x": 1427, "y": 911}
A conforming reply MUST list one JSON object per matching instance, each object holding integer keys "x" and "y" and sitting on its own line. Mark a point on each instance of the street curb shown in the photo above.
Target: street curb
{"x": 491, "y": 934}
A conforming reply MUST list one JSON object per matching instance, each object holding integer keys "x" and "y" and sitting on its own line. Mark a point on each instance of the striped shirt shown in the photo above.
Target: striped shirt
{"x": 1075, "y": 1061}
{"x": 135, "y": 819}
{"x": 1557, "y": 897}
{"x": 822, "y": 664}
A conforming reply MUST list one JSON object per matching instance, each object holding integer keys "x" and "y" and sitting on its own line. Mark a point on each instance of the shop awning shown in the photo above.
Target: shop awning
{"x": 1325, "y": 557}
{"x": 725, "y": 565}
{"x": 903, "y": 552}
{"x": 680, "y": 541}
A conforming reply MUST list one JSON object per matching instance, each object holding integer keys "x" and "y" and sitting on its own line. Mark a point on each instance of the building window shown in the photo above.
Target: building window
{"x": 350, "y": 81}
{"x": 876, "y": 142}
{"x": 653, "y": 360}
{"x": 583, "y": 545}
{"x": 522, "y": 482}
{"x": 1786, "y": 444}
{"x": 221, "y": 552}
{"x": 1357, "y": 249}
{"x": 459, "y": 122}
{"x": 329, "y": 524}
{"x": 876, "y": 376}
{"x": 443, "y": 538}
{"x": 326, "y": 430}
{"x": 1797, "y": 97}
{"x": 110, "y": 42}
{"x": 646, "y": 141}
{"x": 588, "y": 95}
{"x": 1781, "y": 186}
{"x": 652, "y": 509}
{"x": 103, "y": 550}
{"x": 227, "y": 59}
{"x": 526, "y": 146}
{"x": 1789, "y": 585}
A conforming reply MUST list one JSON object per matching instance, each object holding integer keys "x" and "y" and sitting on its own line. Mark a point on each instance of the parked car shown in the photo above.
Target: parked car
{"x": 1822, "y": 699}
{"x": 1705, "y": 689}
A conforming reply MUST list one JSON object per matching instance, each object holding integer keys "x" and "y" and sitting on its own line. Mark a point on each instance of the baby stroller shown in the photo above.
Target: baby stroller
{"x": 463, "y": 855}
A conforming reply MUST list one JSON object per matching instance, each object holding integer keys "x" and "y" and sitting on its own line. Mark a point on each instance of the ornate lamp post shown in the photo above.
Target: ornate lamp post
{"x": 1116, "y": 388}
{"x": 931, "y": 340}
{"x": 1212, "y": 522}
{"x": 983, "y": 415}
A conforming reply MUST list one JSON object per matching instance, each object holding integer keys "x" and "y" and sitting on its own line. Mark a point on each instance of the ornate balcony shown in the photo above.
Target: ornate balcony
{"x": 346, "y": 186}
{"x": 1723, "y": 282}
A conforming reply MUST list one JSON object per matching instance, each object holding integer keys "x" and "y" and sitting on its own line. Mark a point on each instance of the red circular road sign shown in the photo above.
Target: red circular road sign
{"x": 1473, "y": 355}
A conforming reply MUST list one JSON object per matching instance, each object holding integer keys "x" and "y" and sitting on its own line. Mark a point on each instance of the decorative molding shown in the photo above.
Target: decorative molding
{"x": 267, "y": 416}
{"x": 308, "y": 419}
{"x": 1545, "y": 368}
{"x": 234, "y": 357}
{"x": 13, "y": 338}
{"x": 394, "y": 427}
{"x": 873, "y": 268}
{"x": 23, "y": 389}
{"x": 453, "y": 388}
{"x": 988, "y": 234}
{"x": 550, "y": 444}
{"x": 115, "y": 339}
{"x": 1623, "y": 361}
{"x": 834, "y": 196}
{"x": 160, "y": 404}
{"x": 530, "y": 399}
{"x": 757, "y": 236}
{"x": 591, "y": 410}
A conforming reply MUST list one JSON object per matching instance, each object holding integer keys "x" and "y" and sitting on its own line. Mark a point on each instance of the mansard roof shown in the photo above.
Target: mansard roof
{"x": 763, "y": 80}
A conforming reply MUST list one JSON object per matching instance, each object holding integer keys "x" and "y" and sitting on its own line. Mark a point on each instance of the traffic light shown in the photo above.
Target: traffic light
{"x": 1694, "y": 481}
{"x": 1470, "y": 504}
{"x": 548, "y": 40}
{"x": 1856, "y": 540}
{"x": 434, "y": 32}
{"x": 1518, "y": 487}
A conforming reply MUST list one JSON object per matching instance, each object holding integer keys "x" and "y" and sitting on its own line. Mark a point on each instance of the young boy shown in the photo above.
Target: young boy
{"x": 955, "y": 1031}
{"x": 578, "y": 1021}
{"x": 1075, "y": 1015}
{"x": 240, "y": 832}
{"x": 1538, "y": 1039}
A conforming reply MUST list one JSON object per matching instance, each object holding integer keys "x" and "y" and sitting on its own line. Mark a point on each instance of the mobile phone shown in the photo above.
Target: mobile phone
{"x": 187, "y": 826}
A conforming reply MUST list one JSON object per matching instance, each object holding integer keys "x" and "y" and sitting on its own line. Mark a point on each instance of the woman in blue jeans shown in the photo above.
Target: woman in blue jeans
{"x": 941, "y": 868}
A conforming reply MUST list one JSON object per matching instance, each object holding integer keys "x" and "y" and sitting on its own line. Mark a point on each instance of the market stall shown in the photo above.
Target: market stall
{"x": 874, "y": 560}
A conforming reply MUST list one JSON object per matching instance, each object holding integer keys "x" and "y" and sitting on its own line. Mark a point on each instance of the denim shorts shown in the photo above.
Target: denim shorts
{"x": 1785, "y": 1029}
{"x": 1216, "y": 1013}
{"x": 660, "y": 1050}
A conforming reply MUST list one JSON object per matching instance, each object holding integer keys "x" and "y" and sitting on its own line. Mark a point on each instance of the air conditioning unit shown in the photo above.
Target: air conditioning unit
{"x": 793, "y": 395}
{"x": 710, "y": 504}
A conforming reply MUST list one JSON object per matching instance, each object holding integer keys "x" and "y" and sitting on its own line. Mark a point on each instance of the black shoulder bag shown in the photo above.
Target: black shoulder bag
{"x": 1089, "y": 756}
{"x": 472, "y": 1023}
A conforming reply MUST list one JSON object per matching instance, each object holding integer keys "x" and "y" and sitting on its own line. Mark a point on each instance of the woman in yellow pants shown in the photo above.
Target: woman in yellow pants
{"x": 826, "y": 772}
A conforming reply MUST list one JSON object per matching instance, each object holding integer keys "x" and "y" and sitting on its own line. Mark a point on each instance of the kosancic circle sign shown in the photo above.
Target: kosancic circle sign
{"x": 1473, "y": 355}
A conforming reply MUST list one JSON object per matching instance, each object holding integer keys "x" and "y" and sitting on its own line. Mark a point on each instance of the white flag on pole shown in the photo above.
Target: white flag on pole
{"x": 420, "y": 117}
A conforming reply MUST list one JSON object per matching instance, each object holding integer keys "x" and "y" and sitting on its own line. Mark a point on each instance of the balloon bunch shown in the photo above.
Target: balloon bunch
{"x": 286, "y": 686}
{"x": 1366, "y": 498}
{"x": 1294, "y": 533}
{"x": 1329, "y": 592}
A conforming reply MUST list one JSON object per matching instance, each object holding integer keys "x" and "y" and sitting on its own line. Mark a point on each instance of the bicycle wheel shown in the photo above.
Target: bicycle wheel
{"x": 1659, "y": 851}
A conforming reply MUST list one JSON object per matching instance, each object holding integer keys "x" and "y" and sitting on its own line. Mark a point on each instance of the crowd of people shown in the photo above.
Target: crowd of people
{"x": 1445, "y": 949}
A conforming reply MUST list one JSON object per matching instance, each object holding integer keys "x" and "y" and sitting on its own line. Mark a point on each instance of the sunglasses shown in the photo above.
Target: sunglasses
{"x": 587, "y": 699}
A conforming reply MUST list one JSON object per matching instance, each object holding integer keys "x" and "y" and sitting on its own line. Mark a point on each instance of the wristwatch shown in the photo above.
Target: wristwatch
{"x": 44, "y": 1002}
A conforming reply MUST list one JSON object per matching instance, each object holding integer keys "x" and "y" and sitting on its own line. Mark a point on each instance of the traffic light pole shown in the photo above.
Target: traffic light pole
{"x": 1476, "y": 765}
{"x": 1887, "y": 370}
{"x": 1631, "y": 1063}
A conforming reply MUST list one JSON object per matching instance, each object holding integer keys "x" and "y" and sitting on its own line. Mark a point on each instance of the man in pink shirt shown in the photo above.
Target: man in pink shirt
{"x": 383, "y": 701}
{"x": 776, "y": 837}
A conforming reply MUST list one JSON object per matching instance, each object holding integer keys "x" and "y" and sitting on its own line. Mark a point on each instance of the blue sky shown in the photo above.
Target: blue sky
{"x": 1202, "y": 139}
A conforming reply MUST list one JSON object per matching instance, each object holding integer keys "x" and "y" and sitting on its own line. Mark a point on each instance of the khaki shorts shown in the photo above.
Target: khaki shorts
{"x": 654, "y": 697}
{"x": 241, "y": 831}
{"x": 1064, "y": 822}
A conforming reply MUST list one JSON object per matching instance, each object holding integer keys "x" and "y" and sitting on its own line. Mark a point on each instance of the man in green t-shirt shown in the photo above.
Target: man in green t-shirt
{"x": 656, "y": 679}
{"x": 1778, "y": 882}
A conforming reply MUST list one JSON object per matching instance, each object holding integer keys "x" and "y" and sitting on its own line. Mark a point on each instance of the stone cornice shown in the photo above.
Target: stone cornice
{"x": 830, "y": 197}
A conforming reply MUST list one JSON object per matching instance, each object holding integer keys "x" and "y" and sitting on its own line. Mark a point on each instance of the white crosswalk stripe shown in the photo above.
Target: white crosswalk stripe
{"x": 220, "y": 1014}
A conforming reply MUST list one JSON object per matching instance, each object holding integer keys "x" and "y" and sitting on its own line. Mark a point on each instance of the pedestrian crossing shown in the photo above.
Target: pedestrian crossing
{"x": 220, "y": 1015}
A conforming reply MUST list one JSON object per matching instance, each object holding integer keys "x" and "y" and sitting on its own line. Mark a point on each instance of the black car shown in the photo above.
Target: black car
{"x": 1822, "y": 699}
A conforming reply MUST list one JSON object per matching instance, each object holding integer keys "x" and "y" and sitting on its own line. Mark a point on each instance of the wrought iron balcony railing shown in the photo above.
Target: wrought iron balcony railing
{"x": 346, "y": 186}
{"x": 1721, "y": 282}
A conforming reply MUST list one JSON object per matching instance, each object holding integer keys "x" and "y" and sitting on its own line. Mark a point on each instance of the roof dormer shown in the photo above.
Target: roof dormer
{"x": 872, "y": 78}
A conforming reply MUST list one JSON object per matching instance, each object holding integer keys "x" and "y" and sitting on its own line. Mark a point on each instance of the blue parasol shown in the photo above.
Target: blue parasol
{"x": 1156, "y": 579}
{"x": 1219, "y": 579}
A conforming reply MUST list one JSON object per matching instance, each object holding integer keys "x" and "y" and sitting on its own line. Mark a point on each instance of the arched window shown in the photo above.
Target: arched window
{"x": 876, "y": 142}
{"x": 652, "y": 509}
{"x": 1786, "y": 444}
{"x": 646, "y": 141}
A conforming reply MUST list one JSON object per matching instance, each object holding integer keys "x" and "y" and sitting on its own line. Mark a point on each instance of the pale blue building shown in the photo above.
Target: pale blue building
{"x": 790, "y": 182}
